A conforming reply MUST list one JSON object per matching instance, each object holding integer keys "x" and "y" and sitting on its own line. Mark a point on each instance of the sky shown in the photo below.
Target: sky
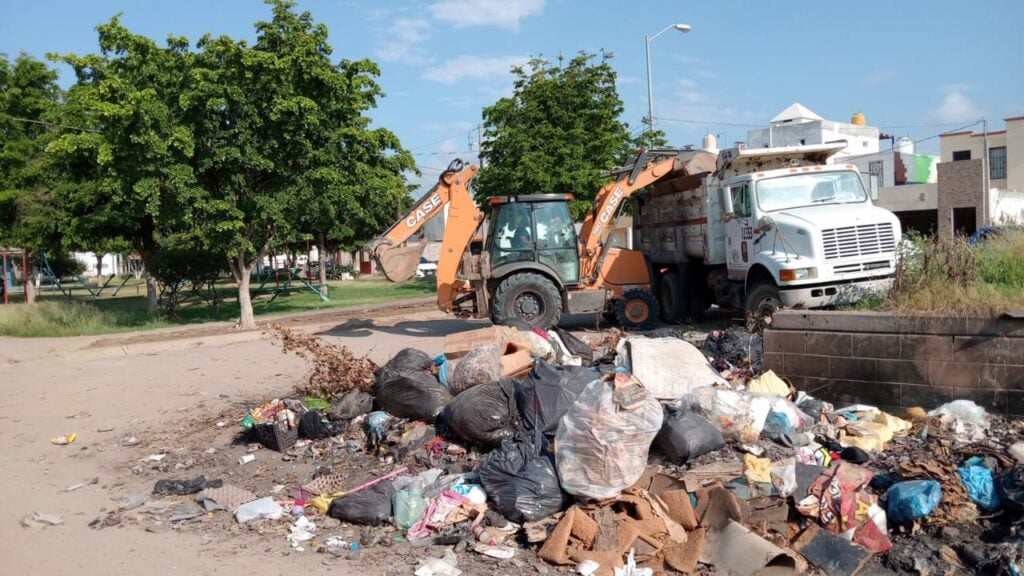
{"x": 913, "y": 68}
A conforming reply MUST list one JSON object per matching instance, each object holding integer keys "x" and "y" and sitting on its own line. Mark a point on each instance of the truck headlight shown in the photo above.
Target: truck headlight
{"x": 798, "y": 274}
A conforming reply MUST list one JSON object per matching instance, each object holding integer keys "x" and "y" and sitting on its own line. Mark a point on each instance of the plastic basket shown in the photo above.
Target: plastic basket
{"x": 276, "y": 436}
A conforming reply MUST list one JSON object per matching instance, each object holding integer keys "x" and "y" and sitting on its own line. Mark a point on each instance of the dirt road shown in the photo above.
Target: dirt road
{"x": 148, "y": 389}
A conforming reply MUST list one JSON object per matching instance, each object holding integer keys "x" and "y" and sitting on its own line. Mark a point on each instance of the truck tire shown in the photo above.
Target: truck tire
{"x": 762, "y": 301}
{"x": 671, "y": 299}
{"x": 528, "y": 296}
{"x": 637, "y": 309}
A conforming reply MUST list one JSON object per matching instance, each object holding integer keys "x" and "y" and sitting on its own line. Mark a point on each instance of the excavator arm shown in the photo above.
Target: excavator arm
{"x": 399, "y": 263}
{"x": 649, "y": 167}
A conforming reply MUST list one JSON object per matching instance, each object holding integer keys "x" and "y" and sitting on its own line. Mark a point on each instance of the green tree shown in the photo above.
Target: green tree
{"x": 29, "y": 96}
{"x": 124, "y": 174}
{"x": 557, "y": 133}
{"x": 275, "y": 125}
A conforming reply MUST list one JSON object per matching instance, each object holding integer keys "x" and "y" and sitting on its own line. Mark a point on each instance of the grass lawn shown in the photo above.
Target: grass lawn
{"x": 55, "y": 315}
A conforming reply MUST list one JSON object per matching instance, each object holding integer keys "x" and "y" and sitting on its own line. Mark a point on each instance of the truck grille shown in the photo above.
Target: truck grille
{"x": 853, "y": 241}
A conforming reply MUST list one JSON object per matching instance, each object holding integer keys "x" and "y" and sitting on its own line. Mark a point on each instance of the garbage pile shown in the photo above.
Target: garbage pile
{"x": 639, "y": 456}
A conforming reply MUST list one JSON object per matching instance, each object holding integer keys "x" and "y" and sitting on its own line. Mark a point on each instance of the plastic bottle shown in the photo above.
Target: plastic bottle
{"x": 483, "y": 536}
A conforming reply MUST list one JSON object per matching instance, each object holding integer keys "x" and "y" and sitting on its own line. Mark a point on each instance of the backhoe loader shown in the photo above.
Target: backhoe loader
{"x": 524, "y": 259}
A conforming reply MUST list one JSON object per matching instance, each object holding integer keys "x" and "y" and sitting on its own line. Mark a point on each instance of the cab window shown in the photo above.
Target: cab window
{"x": 741, "y": 200}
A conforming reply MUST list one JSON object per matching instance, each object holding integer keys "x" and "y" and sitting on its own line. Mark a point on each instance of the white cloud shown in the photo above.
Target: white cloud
{"x": 476, "y": 67}
{"x": 956, "y": 106}
{"x": 500, "y": 13}
{"x": 403, "y": 40}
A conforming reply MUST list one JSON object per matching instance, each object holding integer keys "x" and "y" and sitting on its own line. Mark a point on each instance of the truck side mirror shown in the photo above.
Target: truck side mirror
{"x": 726, "y": 200}
{"x": 765, "y": 223}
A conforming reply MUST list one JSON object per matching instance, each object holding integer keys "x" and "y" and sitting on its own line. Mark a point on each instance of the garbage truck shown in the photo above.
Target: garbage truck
{"x": 764, "y": 228}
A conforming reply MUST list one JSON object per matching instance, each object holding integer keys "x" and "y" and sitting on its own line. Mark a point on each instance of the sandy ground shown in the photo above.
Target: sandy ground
{"x": 168, "y": 389}
{"x": 147, "y": 389}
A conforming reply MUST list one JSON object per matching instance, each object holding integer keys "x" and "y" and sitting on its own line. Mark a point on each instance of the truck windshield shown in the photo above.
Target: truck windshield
{"x": 809, "y": 190}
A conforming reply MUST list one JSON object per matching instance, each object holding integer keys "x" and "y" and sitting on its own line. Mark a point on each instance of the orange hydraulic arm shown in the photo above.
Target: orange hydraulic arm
{"x": 597, "y": 225}
{"x": 464, "y": 217}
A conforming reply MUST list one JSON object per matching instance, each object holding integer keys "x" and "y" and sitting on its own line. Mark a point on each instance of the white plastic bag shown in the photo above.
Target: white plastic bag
{"x": 600, "y": 448}
{"x": 669, "y": 367}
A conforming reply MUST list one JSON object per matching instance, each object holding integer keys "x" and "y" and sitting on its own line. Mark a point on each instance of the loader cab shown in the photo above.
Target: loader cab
{"x": 534, "y": 229}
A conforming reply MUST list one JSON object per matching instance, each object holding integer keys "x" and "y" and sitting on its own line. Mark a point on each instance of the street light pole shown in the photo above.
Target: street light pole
{"x": 650, "y": 85}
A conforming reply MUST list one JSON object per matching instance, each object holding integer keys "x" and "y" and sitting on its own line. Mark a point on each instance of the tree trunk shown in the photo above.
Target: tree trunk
{"x": 151, "y": 293}
{"x": 30, "y": 286}
{"x": 99, "y": 265}
{"x": 321, "y": 252}
{"x": 242, "y": 271}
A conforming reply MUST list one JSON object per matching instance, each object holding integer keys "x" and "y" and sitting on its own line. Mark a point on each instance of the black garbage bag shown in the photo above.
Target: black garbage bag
{"x": 371, "y": 506}
{"x": 547, "y": 391}
{"x": 485, "y": 414}
{"x": 576, "y": 346}
{"x": 521, "y": 480}
{"x": 348, "y": 405}
{"x": 315, "y": 425}
{"x": 405, "y": 387}
{"x": 686, "y": 434}
{"x": 185, "y": 486}
{"x": 736, "y": 348}
{"x": 410, "y": 359}
{"x": 1010, "y": 487}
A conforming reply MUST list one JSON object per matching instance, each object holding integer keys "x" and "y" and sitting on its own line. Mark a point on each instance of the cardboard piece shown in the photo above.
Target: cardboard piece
{"x": 697, "y": 478}
{"x": 507, "y": 340}
{"x": 759, "y": 556}
{"x": 679, "y": 507}
{"x": 575, "y": 532}
{"x": 516, "y": 363}
{"x": 684, "y": 557}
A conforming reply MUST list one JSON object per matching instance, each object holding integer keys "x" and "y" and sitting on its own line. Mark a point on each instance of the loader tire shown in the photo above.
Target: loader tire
{"x": 637, "y": 309}
{"x": 528, "y": 296}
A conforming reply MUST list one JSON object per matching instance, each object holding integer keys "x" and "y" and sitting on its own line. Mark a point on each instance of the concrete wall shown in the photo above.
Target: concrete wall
{"x": 909, "y": 197}
{"x": 960, "y": 185}
{"x": 860, "y": 139}
{"x": 1015, "y": 154}
{"x": 897, "y": 362}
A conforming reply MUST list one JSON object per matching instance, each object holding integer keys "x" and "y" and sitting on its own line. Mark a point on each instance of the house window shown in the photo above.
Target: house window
{"x": 997, "y": 162}
{"x": 959, "y": 155}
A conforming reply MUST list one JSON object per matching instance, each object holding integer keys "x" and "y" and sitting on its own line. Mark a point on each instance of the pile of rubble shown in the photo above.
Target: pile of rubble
{"x": 632, "y": 456}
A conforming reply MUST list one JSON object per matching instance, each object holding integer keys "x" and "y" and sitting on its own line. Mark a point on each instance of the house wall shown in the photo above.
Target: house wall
{"x": 960, "y": 185}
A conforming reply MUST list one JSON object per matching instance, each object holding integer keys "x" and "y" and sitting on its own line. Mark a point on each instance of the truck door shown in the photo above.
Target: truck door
{"x": 739, "y": 232}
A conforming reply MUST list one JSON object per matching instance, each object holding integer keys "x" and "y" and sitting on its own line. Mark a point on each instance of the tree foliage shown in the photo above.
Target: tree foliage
{"x": 557, "y": 133}
{"x": 236, "y": 146}
{"x": 29, "y": 96}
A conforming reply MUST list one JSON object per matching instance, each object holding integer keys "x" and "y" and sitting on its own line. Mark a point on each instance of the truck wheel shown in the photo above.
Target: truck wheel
{"x": 637, "y": 309}
{"x": 528, "y": 296}
{"x": 670, "y": 298}
{"x": 762, "y": 301}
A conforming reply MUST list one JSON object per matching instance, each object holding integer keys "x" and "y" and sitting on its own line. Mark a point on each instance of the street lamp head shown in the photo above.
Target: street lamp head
{"x": 683, "y": 27}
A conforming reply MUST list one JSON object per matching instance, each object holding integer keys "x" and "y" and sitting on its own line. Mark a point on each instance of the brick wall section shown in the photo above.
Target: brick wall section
{"x": 896, "y": 362}
{"x": 960, "y": 186}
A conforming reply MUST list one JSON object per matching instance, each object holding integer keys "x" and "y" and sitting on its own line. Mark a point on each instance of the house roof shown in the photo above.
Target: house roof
{"x": 796, "y": 111}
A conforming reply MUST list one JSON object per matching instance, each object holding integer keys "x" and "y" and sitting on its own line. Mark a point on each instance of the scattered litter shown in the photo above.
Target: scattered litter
{"x": 502, "y": 552}
{"x": 245, "y": 459}
{"x": 129, "y": 441}
{"x": 73, "y": 487}
{"x": 185, "y": 486}
{"x": 913, "y": 499}
{"x": 65, "y": 439}
{"x": 439, "y": 566}
{"x": 154, "y": 458}
{"x": 41, "y": 520}
{"x": 261, "y": 508}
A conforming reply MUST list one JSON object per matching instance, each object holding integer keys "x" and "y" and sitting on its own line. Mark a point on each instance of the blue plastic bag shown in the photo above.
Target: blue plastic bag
{"x": 980, "y": 486}
{"x": 441, "y": 361}
{"x": 913, "y": 499}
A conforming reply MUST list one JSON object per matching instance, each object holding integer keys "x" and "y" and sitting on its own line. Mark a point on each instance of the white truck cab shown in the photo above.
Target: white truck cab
{"x": 770, "y": 227}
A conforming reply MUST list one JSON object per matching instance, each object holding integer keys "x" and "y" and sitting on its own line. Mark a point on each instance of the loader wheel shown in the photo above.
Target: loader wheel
{"x": 528, "y": 296}
{"x": 670, "y": 298}
{"x": 762, "y": 301}
{"x": 637, "y": 309}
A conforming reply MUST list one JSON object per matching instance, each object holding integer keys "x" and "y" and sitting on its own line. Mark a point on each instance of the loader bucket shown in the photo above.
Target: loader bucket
{"x": 399, "y": 263}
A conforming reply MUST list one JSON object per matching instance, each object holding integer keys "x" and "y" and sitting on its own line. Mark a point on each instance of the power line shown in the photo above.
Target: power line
{"x": 453, "y": 136}
{"x": 706, "y": 122}
{"x": 31, "y": 121}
